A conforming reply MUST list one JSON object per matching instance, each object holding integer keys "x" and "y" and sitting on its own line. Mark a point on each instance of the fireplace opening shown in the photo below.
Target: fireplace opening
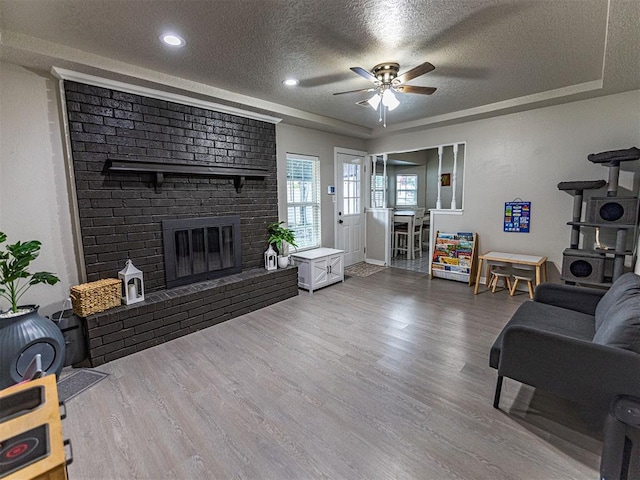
{"x": 199, "y": 249}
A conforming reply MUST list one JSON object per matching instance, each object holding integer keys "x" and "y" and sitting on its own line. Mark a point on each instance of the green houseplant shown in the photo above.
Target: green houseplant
{"x": 23, "y": 332}
{"x": 15, "y": 279}
{"x": 282, "y": 237}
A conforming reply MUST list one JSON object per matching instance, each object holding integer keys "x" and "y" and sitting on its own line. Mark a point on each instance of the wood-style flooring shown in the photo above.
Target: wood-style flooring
{"x": 383, "y": 377}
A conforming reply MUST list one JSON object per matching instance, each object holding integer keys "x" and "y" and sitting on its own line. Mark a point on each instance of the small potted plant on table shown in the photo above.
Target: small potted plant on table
{"x": 282, "y": 238}
{"x": 23, "y": 332}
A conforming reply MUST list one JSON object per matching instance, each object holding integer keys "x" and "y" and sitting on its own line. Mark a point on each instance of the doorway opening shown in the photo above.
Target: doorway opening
{"x": 425, "y": 180}
{"x": 350, "y": 171}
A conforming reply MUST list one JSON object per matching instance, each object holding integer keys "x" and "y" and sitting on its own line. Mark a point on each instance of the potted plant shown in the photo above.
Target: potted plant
{"x": 23, "y": 332}
{"x": 282, "y": 237}
{"x": 13, "y": 273}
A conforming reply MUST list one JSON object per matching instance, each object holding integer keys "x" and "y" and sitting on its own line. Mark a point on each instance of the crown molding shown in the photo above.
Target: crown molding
{"x": 64, "y": 74}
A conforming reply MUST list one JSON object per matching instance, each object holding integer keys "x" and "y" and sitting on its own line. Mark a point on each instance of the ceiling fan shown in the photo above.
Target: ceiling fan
{"x": 386, "y": 79}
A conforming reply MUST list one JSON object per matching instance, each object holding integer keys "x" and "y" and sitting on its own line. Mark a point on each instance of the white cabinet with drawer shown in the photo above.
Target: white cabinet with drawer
{"x": 319, "y": 267}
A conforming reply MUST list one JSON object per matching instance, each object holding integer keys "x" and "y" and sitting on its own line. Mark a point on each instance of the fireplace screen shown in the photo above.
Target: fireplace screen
{"x": 199, "y": 249}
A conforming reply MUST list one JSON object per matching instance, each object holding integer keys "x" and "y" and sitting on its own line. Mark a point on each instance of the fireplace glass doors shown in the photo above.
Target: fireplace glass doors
{"x": 198, "y": 249}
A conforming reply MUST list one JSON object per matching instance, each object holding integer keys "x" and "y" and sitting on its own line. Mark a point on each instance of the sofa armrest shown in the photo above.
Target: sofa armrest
{"x": 579, "y": 299}
{"x": 570, "y": 367}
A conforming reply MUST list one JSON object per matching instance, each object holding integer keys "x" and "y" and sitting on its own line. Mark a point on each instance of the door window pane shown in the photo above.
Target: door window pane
{"x": 351, "y": 188}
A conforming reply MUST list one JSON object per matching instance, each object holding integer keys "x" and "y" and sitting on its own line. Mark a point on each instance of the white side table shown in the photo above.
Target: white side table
{"x": 319, "y": 267}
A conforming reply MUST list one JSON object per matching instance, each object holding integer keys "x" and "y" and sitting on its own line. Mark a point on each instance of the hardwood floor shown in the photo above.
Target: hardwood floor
{"x": 379, "y": 377}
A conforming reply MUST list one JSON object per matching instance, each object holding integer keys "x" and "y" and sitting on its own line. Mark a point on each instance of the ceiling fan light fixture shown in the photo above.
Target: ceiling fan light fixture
{"x": 374, "y": 101}
{"x": 389, "y": 100}
{"x": 388, "y": 82}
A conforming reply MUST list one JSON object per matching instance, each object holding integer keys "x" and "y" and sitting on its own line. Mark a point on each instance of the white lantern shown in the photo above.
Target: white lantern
{"x": 132, "y": 284}
{"x": 270, "y": 259}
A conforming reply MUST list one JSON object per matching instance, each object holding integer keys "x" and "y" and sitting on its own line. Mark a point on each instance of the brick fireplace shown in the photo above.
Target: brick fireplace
{"x": 140, "y": 161}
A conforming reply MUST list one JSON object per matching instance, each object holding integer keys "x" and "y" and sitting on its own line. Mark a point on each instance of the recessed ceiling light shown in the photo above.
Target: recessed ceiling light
{"x": 173, "y": 40}
{"x": 291, "y": 82}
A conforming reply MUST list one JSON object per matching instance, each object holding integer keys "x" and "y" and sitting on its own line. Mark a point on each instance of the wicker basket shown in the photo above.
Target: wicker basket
{"x": 96, "y": 296}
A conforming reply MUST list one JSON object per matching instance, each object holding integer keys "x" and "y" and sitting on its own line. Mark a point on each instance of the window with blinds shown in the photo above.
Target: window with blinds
{"x": 407, "y": 190}
{"x": 378, "y": 191}
{"x": 303, "y": 199}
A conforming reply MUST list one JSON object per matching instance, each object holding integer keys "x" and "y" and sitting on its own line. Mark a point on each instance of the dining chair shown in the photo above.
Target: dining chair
{"x": 526, "y": 273}
{"x": 410, "y": 241}
{"x": 400, "y": 240}
{"x": 425, "y": 231}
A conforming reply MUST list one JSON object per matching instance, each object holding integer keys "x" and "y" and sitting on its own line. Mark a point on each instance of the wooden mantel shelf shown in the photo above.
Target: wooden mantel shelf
{"x": 160, "y": 168}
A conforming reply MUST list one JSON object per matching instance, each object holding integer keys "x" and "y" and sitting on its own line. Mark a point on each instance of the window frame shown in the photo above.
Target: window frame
{"x": 315, "y": 203}
{"x": 399, "y": 190}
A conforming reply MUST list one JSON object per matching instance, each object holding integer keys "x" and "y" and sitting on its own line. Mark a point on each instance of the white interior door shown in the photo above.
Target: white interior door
{"x": 350, "y": 171}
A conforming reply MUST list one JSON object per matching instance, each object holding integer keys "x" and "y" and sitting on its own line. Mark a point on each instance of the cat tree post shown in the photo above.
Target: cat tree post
{"x": 612, "y": 160}
{"x": 578, "y": 189}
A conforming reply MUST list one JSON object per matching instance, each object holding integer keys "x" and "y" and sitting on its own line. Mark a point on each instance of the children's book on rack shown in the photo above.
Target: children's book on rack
{"x": 455, "y": 256}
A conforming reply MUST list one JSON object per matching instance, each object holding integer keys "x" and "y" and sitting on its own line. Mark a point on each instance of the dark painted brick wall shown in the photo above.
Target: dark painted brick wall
{"x": 164, "y": 316}
{"x": 121, "y": 213}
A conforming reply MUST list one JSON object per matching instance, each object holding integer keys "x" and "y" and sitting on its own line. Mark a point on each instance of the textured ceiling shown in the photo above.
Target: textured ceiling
{"x": 490, "y": 56}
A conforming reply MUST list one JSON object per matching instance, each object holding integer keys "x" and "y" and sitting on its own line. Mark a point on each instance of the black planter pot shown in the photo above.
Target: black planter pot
{"x": 24, "y": 336}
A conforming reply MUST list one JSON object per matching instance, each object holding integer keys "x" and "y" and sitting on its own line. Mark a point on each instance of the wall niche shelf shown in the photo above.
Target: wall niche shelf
{"x": 238, "y": 174}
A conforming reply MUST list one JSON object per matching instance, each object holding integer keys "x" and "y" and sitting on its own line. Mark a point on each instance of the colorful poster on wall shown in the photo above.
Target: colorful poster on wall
{"x": 517, "y": 217}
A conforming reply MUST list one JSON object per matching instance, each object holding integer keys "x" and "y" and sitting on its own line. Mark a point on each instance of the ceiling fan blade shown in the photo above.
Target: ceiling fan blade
{"x": 415, "y": 89}
{"x": 356, "y": 91}
{"x": 363, "y": 73}
{"x": 426, "y": 67}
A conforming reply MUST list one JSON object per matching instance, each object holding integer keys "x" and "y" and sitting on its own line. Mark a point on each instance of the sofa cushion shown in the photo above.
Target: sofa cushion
{"x": 621, "y": 327}
{"x": 548, "y": 318}
{"x": 626, "y": 285}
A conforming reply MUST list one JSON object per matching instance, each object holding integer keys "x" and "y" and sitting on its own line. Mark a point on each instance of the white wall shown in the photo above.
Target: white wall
{"x": 526, "y": 155}
{"x": 293, "y": 139}
{"x": 520, "y": 155}
{"x": 34, "y": 203}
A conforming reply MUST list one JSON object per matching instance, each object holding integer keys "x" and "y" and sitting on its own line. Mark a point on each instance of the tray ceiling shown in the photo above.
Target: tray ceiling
{"x": 490, "y": 56}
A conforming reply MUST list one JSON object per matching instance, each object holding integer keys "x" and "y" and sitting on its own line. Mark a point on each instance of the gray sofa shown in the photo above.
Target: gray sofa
{"x": 579, "y": 343}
